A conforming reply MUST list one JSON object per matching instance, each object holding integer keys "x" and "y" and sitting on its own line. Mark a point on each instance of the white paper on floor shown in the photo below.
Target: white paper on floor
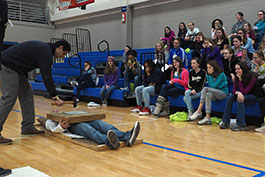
{"x": 27, "y": 172}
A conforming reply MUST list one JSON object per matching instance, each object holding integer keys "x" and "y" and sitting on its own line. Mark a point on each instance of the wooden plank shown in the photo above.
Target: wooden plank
{"x": 76, "y": 118}
{"x": 87, "y": 142}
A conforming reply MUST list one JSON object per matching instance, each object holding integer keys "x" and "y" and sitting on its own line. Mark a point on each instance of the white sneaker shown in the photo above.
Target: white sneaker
{"x": 260, "y": 129}
{"x": 195, "y": 116}
{"x": 125, "y": 88}
{"x": 190, "y": 114}
{"x": 205, "y": 121}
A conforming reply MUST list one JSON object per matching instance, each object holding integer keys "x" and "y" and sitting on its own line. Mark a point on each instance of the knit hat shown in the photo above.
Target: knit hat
{"x": 111, "y": 58}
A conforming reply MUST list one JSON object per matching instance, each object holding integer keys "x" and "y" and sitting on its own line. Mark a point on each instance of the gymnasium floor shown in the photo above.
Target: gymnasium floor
{"x": 180, "y": 149}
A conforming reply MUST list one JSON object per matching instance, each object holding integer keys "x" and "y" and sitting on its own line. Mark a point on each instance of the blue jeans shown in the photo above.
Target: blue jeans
{"x": 188, "y": 99}
{"x": 240, "y": 116}
{"x": 105, "y": 93}
{"x": 142, "y": 92}
{"x": 136, "y": 79}
{"x": 170, "y": 90}
{"x": 97, "y": 131}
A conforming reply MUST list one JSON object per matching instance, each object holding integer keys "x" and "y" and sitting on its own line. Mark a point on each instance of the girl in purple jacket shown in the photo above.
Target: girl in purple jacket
{"x": 111, "y": 75}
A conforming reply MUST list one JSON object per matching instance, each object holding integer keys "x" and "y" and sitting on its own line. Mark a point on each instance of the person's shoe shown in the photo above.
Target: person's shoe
{"x": 76, "y": 101}
{"x": 190, "y": 113}
{"x": 32, "y": 131}
{"x": 205, "y": 121}
{"x": 124, "y": 88}
{"x": 135, "y": 132}
{"x": 196, "y": 115}
{"x": 238, "y": 128}
{"x": 166, "y": 110}
{"x": 223, "y": 125}
{"x": 113, "y": 140}
{"x": 42, "y": 121}
{"x": 145, "y": 111}
{"x": 137, "y": 109}
{"x": 5, "y": 172}
{"x": 260, "y": 129}
{"x": 5, "y": 141}
{"x": 104, "y": 102}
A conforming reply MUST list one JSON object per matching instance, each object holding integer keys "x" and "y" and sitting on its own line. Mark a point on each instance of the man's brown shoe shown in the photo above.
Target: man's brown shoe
{"x": 5, "y": 140}
{"x": 32, "y": 131}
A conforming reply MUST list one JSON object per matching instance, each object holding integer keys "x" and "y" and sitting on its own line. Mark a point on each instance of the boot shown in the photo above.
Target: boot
{"x": 159, "y": 105}
{"x": 166, "y": 110}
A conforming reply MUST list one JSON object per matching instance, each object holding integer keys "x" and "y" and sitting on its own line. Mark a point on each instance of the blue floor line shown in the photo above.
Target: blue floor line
{"x": 261, "y": 173}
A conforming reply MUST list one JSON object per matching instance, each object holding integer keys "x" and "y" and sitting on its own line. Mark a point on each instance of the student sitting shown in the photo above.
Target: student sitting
{"x": 161, "y": 55}
{"x": 240, "y": 51}
{"x": 217, "y": 24}
{"x": 87, "y": 80}
{"x": 132, "y": 70}
{"x": 210, "y": 52}
{"x": 247, "y": 42}
{"x": 192, "y": 31}
{"x": 111, "y": 75}
{"x": 182, "y": 34}
{"x": 97, "y": 131}
{"x": 259, "y": 26}
{"x": 243, "y": 93}
{"x": 179, "y": 52}
{"x": 258, "y": 61}
{"x": 197, "y": 45}
{"x": 221, "y": 40}
{"x": 229, "y": 61}
{"x": 176, "y": 86}
{"x": 250, "y": 32}
{"x": 124, "y": 58}
{"x": 217, "y": 90}
{"x": 197, "y": 79}
{"x": 153, "y": 80}
{"x": 168, "y": 38}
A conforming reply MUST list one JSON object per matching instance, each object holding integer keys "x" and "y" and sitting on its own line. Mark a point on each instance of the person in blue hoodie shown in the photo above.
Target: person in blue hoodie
{"x": 217, "y": 90}
{"x": 177, "y": 51}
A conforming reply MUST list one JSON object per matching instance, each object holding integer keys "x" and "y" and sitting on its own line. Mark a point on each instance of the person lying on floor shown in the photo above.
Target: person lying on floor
{"x": 97, "y": 130}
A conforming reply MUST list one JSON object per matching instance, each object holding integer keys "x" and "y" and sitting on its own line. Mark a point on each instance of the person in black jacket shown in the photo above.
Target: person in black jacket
{"x": 229, "y": 61}
{"x": 197, "y": 79}
{"x": 17, "y": 61}
{"x": 3, "y": 21}
{"x": 153, "y": 81}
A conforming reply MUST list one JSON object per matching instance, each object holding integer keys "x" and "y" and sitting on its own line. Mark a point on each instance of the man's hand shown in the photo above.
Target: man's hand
{"x": 57, "y": 101}
{"x": 64, "y": 124}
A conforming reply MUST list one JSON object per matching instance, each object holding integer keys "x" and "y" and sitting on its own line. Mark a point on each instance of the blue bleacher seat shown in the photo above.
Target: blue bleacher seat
{"x": 56, "y": 79}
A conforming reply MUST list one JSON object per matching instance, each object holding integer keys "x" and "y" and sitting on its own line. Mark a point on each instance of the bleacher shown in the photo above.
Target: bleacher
{"x": 63, "y": 73}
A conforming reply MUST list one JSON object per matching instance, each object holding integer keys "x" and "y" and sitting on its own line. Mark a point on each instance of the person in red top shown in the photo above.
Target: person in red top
{"x": 176, "y": 86}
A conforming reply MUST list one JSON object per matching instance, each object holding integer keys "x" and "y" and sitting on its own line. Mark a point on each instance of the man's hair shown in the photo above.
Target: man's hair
{"x": 64, "y": 43}
{"x": 262, "y": 11}
{"x": 240, "y": 14}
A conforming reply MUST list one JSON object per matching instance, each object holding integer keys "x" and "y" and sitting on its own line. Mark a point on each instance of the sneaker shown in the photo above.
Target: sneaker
{"x": 74, "y": 83}
{"x": 5, "y": 172}
{"x": 190, "y": 114}
{"x": 238, "y": 128}
{"x": 5, "y": 140}
{"x": 205, "y": 121}
{"x": 113, "y": 140}
{"x": 32, "y": 131}
{"x": 75, "y": 100}
{"x": 223, "y": 125}
{"x": 125, "y": 88}
{"x": 135, "y": 132}
{"x": 104, "y": 102}
{"x": 137, "y": 109}
{"x": 195, "y": 116}
{"x": 260, "y": 129}
{"x": 145, "y": 111}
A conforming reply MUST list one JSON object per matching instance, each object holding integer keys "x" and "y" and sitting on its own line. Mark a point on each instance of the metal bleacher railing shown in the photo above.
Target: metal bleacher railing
{"x": 28, "y": 12}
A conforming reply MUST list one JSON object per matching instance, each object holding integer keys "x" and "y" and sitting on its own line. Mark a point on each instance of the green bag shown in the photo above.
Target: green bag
{"x": 216, "y": 120}
{"x": 179, "y": 117}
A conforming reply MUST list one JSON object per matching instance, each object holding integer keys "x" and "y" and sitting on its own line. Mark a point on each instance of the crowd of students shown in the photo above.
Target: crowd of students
{"x": 223, "y": 60}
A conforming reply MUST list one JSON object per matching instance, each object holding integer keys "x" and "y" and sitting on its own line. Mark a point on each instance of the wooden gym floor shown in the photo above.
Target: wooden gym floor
{"x": 179, "y": 149}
